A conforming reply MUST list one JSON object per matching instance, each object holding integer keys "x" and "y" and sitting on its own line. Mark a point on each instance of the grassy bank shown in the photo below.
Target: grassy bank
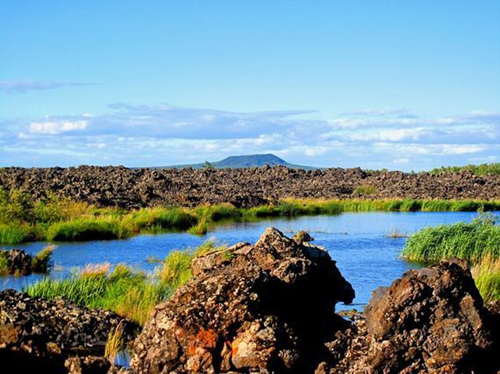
{"x": 468, "y": 241}
{"x": 129, "y": 293}
{"x": 54, "y": 219}
{"x": 477, "y": 242}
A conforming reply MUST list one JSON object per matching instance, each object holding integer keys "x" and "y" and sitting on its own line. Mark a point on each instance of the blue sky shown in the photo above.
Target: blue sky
{"x": 395, "y": 84}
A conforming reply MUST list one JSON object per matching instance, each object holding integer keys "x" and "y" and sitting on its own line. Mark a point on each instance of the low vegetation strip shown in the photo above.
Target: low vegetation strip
{"x": 53, "y": 219}
{"x": 468, "y": 241}
{"x": 482, "y": 169}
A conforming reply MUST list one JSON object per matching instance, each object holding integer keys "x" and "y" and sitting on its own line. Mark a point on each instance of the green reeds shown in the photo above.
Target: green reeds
{"x": 15, "y": 233}
{"x": 115, "y": 343}
{"x": 4, "y": 266}
{"x": 486, "y": 275}
{"x": 82, "y": 229}
{"x": 159, "y": 218}
{"x": 177, "y": 270}
{"x": 468, "y": 241}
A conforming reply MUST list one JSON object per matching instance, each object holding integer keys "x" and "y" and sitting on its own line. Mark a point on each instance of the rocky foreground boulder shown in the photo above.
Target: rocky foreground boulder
{"x": 269, "y": 308}
{"x": 37, "y": 334}
{"x": 253, "y": 308}
{"x": 16, "y": 262}
{"x": 429, "y": 321}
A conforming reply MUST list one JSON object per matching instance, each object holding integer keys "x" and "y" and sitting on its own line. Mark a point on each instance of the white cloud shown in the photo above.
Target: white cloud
{"x": 24, "y": 85}
{"x": 165, "y": 135}
{"x": 57, "y": 127}
{"x": 403, "y": 160}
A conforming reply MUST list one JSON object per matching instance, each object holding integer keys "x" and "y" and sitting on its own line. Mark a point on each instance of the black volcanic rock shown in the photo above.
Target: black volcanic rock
{"x": 135, "y": 188}
{"x": 42, "y": 334}
{"x": 429, "y": 321}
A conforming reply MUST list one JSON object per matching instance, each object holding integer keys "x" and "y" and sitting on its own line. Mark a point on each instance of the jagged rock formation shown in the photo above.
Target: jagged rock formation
{"x": 134, "y": 188}
{"x": 429, "y": 321}
{"x": 253, "y": 308}
{"x": 42, "y": 334}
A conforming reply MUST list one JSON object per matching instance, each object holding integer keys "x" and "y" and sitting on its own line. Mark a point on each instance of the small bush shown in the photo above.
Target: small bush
{"x": 364, "y": 190}
{"x": 482, "y": 169}
{"x": 200, "y": 229}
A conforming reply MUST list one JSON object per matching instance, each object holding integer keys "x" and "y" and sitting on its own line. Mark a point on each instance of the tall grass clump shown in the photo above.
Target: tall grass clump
{"x": 468, "y": 241}
{"x": 128, "y": 293}
{"x": 159, "y": 217}
{"x": 115, "y": 343}
{"x": 40, "y": 262}
{"x": 4, "y": 265}
{"x": 15, "y": 233}
{"x": 217, "y": 212}
{"x": 177, "y": 269}
{"x": 486, "y": 275}
{"x": 87, "y": 229}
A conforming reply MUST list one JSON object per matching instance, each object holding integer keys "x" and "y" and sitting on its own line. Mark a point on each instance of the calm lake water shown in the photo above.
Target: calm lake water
{"x": 357, "y": 241}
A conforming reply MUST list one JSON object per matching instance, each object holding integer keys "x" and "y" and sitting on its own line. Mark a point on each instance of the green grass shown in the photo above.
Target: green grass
{"x": 4, "y": 266}
{"x": 129, "y": 293}
{"x": 84, "y": 228}
{"x": 487, "y": 278}
{"x": 468, "y": 241}
{"x": 160, "y": 218}
{"x": 16, "y": 233}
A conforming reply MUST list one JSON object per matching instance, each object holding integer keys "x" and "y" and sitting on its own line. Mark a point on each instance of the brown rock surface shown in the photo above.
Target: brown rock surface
{"x": 134, "y": 188}
{"x": 429, "y": 321}
{"x": 263, "y": 308}
{"x": 18, "y": 261}
{"x": 37, "y": 333}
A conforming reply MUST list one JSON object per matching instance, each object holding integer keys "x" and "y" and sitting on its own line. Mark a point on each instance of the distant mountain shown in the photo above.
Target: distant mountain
{"x": 245, "y": 161}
